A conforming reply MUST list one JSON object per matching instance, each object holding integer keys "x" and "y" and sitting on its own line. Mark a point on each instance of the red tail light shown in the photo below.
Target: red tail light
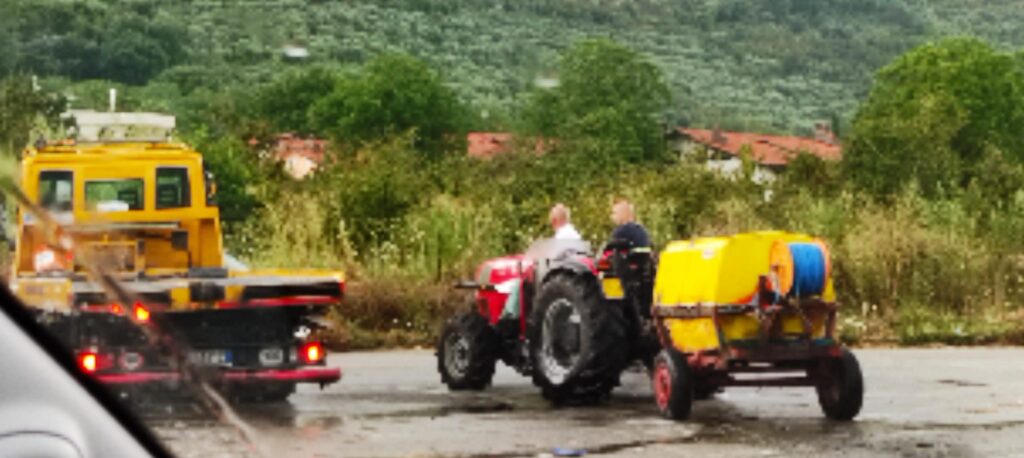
{"x": 312, "y": 352}
{"x": 116, "y": 309}
{"x": 88, "y": 361}
{"x": 141, "y": 312}
{"x": 91, "y": 361}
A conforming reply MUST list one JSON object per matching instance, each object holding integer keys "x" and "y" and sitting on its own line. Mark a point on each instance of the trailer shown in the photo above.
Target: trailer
{"x": 753, "y": 309}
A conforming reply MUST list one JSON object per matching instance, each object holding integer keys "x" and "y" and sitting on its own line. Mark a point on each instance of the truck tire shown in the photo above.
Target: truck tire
{"x": 840, "y": 386}
{"x": 467, "y": 352}
{"x": 578, "y": 344}
{"x": 672, "y": 384}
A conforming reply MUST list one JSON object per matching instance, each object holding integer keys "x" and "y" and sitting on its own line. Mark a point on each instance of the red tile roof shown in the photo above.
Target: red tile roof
{"x": 291, "y": 145}
{"x": 772, "y": 150}
{"x": 488, "y": 144}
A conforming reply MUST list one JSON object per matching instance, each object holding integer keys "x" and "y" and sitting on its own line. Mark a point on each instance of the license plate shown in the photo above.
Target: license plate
{"x": 612, "y": 288}
{"x": 210, "y": 358}
{"x": 271, "y": 356}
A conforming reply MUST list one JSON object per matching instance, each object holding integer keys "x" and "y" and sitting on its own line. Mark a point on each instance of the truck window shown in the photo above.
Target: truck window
{"x": 114, "y": 195}
{"x": 55, "y": 190}
{"x": 172, "y": 189}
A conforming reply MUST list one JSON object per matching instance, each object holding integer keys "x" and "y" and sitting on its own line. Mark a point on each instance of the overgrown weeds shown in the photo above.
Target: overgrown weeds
{"x": 911, "y": 270}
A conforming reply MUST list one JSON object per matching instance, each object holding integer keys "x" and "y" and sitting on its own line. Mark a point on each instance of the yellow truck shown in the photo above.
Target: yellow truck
{"x": 119, "y": 252}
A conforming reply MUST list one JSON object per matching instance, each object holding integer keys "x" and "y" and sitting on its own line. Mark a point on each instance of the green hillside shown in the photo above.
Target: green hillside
{"x": 775, "y": 65}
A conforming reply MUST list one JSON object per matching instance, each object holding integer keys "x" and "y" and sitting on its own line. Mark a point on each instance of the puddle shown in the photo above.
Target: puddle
{"x": 473, "y": 408}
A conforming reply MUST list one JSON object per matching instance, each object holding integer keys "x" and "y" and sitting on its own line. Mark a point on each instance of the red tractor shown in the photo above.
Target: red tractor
{"x": 556, "y": 314}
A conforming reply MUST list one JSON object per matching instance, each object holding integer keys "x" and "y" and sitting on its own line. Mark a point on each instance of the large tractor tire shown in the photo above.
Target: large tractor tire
{"x": 467, "y": 352}
{"x": 673, "y": 385}
{"x": 578, "y": 343}
{"x": 840, "y": 386}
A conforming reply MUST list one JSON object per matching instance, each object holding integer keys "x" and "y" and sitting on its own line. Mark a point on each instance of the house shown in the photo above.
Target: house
{"x": 486, "y": 145}
{"x": 770, "y": 153}
{"x": 300, "y": 156}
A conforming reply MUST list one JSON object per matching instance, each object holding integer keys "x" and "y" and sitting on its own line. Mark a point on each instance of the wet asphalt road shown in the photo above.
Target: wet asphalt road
{"x": 919, "y": 403}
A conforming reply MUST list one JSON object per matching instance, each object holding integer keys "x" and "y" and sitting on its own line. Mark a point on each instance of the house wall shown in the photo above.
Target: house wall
{"x": 299, "y": 166}
{"x": 720, "y": 162}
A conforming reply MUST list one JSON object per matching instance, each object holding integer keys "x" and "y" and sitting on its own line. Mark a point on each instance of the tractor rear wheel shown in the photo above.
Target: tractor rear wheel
{"x": 578, "y": 343}
{"x": 672, "y": 384}
{"x": 840, "y": 386}
{"x": 467, "y": 352}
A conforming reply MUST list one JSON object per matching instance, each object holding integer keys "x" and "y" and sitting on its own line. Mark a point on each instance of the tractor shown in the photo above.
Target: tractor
{"x": 557, "y": 314}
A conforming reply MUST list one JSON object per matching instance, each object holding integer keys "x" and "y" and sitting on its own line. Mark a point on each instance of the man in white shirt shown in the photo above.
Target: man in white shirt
{"x": 564, "y": 230}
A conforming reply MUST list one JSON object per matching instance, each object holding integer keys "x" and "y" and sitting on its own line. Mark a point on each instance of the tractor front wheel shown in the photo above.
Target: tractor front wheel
{"x": 467, "y": 352}
{"x": 840, "y": 386}
{"x": 672, "y": 384}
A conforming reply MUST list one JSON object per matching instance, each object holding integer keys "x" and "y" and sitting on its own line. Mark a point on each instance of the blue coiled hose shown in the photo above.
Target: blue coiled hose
{"x": 808, "y": 269}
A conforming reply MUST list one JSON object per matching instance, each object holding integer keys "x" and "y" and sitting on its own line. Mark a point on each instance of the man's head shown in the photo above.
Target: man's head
{"x": 622, "y": 212}
{"x": 559, "y": 216}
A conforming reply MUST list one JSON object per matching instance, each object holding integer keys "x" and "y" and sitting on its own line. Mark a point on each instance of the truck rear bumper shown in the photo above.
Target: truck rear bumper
{"x": 303, "y": 375}
{"x": 321, "y": 375}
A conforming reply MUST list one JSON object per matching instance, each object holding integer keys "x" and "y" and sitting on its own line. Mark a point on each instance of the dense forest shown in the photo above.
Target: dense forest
{"x": 778, "y": 65}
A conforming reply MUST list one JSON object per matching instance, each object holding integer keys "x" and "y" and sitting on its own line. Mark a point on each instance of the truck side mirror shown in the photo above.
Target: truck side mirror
{"x": 211, "y": 188}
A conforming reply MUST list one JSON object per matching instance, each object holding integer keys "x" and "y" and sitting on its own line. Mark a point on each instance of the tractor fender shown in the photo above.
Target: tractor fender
{"x": 573, "y": 267}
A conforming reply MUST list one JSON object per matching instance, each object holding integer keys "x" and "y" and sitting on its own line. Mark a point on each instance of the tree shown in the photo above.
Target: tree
{"x": 133, "y": 50}
{"x": 393, "y": 93}
{"x": 22, "y": 109}
{"x": 285, "y": 102}
{"x": 235, "y": 172}
{"x": 933, "y": 113}
{"x": 607, "y": 92}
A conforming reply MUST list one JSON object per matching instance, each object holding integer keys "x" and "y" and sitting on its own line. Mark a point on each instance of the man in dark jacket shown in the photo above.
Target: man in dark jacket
{"x": 627, "y": 228}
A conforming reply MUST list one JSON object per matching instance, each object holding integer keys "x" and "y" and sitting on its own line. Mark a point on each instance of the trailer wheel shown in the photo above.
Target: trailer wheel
{"x": 578, "y": 343}
{"x": 467, "y": 352}
{"x": 840, "y": 387}
{"x": 673, "y": 385}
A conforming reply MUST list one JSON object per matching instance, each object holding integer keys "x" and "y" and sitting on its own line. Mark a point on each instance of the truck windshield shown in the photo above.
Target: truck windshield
{"x": 114, "y": 195}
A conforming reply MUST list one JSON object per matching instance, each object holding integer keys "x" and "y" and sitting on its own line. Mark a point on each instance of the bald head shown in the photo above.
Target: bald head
{"x": 559, "y": 216}
{"x": 622, "y": 212}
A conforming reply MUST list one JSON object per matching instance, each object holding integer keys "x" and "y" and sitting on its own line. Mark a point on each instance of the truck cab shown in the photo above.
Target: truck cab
{"x": 119, "y": 252}
{"x": 137, "y": 209}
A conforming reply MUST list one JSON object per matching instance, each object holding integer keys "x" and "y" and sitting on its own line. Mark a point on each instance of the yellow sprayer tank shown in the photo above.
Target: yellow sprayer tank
{"x": 696, "y": 276}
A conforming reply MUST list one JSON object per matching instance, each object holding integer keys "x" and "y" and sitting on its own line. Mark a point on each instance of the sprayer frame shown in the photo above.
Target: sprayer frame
{"x": 768, "y": 354}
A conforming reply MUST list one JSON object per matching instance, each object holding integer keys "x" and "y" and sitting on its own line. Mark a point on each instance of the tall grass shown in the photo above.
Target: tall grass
{"x": 910, "y": 270}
